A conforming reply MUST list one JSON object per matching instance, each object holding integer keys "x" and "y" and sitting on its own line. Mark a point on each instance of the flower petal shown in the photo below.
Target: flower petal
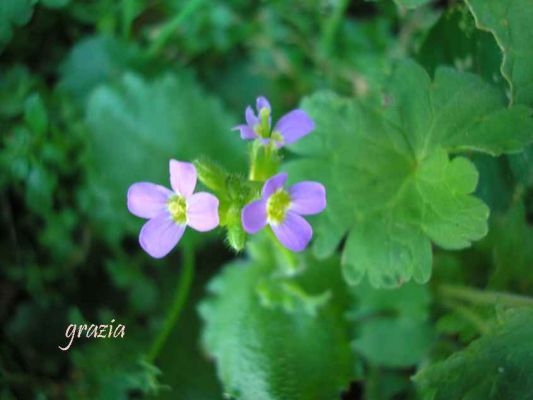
{"x": 159, "y": 235}
{"x": 202, "y": 211}
{"x": 274, "y": 183}
{"x": 251, "y": 118}
{"x": 262, "y": 102}
{"x": 294, "y": 125}
{"x": 307, "y": 198}
{"x": 254, "y": 216}
{"x": 182, "y": 177}
{"x": 246, "y": 132}
{"x": 294, "y": 233}
{"x": 147, "y": 200}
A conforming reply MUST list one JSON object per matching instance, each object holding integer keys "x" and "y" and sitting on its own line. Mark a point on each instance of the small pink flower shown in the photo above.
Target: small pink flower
{"x": 283, "y": 209}
{"x": 290, "y": 128}
{"x": 170, "y": 211}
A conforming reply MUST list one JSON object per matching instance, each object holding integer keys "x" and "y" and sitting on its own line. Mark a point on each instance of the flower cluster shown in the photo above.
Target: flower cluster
{"x": 169, "y": 212}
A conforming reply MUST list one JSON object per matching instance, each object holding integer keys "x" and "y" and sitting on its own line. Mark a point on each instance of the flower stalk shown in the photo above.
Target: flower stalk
{"x": 484, "y": 297}
{"x": 180, "y": 299}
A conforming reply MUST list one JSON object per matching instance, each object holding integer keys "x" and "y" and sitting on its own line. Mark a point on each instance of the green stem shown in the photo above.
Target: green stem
{"x": 331, "y": 27}
{"x": 264, "y": 162}
{"x": 128, "y": 15}
{"x": 180, "y": 297}
{"x": 469, "y": 315}
{"x": 484, "y": 297}
{"x": 169, "y": 28}
{"x": 290, "y": 261}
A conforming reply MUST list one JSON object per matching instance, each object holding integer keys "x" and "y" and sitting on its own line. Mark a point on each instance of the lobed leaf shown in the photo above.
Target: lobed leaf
{"x": 393, "y": 185}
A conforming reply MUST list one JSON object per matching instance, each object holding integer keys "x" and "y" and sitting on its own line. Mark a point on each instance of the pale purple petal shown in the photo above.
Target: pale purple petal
{"x": 159, "y": 235}
{"x": 182, "y": 177}
{"x": 251, "y": 118}
{"x": 294, "y": 232}
{"x": 273, "y": 184}
{"x": 307, "y": 198}
{"x": 254, "y": 216}
{"x": 147, "y": 200}
{"x": 246, "y": 132}
{"x": 293, "y": 125}
{"x": 202, "y": 211}
{"x": 262, "y": 102}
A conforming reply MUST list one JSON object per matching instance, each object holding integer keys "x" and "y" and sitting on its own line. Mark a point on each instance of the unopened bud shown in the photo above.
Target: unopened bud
{"x": 212, "y": 175}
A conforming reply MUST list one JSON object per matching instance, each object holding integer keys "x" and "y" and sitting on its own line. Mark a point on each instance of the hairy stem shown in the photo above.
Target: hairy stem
{"x": 484, "y": 297}
{"x": 180, "y": 297}
{"x": 264, "y": 162}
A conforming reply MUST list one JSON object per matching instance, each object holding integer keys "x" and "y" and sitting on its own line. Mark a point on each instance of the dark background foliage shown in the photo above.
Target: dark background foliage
{"x": 95, "y": 95}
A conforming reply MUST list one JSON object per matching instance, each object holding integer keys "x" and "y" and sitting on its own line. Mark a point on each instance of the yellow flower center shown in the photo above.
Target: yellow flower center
{"x": 277, "y": 206}
{"x": 177, "y": 207}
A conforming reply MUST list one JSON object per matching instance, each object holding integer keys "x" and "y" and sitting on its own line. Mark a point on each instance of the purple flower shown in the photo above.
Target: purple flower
{"x": 283, "y": 209}
{"x": 171, "y": 211}
{"x": 291, "y": 127}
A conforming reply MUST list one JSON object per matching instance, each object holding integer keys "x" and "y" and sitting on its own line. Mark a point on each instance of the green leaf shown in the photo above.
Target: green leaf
{"x": 35, "y": 114}
{"x": 96, "y": 60}
{"x": 265, "y": 352}
{"x": 55, "y": 3}
{"x": 496, "y": 366}
{"x": 455, "y": 41}
{"x": 15, "y": 85}
{"x": 510, "y": 23}
{"x": 112, "y": 369}
{"x": 13, "y": 13}
{"x": 392, "y": 325}
{"x": 392, "y": 185}
{"x": 137, "y": 126}
{"x": 411, "y": 3}
{"x": 522, "y": 166}
{"x": 511, "y": 240}
{"x": 40, "y": 187}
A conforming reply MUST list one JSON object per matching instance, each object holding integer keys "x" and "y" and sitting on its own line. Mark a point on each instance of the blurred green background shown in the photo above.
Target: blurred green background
{"x": 96, "y": 95}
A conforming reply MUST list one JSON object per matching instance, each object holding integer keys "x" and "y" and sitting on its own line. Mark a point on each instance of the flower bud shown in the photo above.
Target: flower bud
{"x": 212, "y": 175}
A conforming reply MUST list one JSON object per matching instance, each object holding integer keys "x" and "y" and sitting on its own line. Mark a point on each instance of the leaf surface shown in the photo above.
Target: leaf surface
{"x": 393, "y": 181}
{"x": 495, "y": 366}
{"x": 510, "y": 23}
{"x": 265, "y": 352}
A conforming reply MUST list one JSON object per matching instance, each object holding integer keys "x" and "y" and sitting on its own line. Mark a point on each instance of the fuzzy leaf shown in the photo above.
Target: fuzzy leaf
{"x": 94, "y": 61}
{"x": 392, "y": 185}
{"x": 267, "y": 353}
{"x": 496, "y": 366}
{"x": 510, "y": 23}
{"x": 137, "y": 126}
